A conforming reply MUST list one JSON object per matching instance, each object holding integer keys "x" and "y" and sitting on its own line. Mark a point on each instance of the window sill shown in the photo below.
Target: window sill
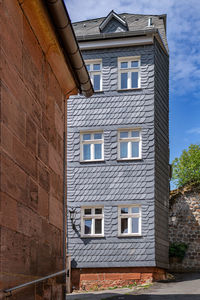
{"x": 98, "y": 92}
{"x": 129, "y": 235}
{"x": 91, "y": 236}
{"x": 92, "y": 161}
{"x": 129, "y": 159}
{"x": 127, "y": 90}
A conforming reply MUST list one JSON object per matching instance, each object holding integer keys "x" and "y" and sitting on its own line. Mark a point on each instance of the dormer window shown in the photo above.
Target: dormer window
{"x": 113, "y": 23}
{"x": 94, "y": 68}
{"x": 129, "y": 72}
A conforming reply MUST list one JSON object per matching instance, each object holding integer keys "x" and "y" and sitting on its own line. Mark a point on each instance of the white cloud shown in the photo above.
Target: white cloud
{"x": 183, "y": 31}
{"x": 194, "y": 130}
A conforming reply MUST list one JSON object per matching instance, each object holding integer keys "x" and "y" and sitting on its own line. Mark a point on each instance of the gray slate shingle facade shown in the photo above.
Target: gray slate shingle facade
{"x": 112, "y": 182}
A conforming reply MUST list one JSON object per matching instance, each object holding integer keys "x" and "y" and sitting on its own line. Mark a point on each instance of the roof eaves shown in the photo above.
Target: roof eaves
{"x": 160, "y": 40}
{"x": 164, "y": 17}
{"x": 102, "y": 36}
{"x": 115, "y": 35}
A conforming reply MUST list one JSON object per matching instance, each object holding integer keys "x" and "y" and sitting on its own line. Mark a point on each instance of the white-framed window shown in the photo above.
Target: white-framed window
{"x": 94, "y": 68}
{"x": 129, "y": 144}
{"x": 128, "y": 72}
{"x": 92, "y": 221}
{"x": 92, "y": 146}
{"x": 129, "y": 220}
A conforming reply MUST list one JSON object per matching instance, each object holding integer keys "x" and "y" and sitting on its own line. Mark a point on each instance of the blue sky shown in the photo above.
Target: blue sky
{"x": 183, "y": 32}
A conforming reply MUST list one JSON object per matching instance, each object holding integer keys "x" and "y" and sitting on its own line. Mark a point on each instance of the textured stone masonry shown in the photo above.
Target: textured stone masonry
{"x": 87, "y": 279}
{"x": 31, "y": 155}
{"x": 184, "y": 226}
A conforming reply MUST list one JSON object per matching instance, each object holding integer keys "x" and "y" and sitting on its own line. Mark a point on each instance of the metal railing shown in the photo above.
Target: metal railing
{"x": 10, "y": 290}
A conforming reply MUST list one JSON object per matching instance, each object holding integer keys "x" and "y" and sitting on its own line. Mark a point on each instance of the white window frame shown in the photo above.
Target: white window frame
{"x": 95, "y": 72}
{"x": 129, "y": 215}
{"x": 129, "y": 70}
{"x": 93, "y": 216}
{"x": 129, "y": 140}
{"x": 92, "y": 142}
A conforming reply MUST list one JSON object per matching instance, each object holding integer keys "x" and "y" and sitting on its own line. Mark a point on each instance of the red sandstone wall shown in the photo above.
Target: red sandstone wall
{"x": 101, "y": 278}
{"x": 31, "y": 155}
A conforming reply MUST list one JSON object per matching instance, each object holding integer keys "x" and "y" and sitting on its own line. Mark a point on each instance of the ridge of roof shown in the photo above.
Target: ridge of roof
{"x": 120, "y": 14}
{"x": 135, "y": 22}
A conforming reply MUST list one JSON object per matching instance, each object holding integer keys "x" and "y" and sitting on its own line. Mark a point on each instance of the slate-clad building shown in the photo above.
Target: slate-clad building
{"x": 117, "y": 153}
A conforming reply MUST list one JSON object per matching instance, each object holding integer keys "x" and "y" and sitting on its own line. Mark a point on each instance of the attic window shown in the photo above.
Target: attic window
{"x": 112, "y": 15}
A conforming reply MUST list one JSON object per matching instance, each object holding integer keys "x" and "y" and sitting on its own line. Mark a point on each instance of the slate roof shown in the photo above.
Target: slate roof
{"x": 135, "y": 22}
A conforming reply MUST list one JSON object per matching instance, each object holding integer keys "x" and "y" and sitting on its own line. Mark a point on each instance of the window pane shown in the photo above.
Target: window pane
{"x": 135, "y": 225}
{"x": 124, "y": 78}
{"x": 124, "y": 134}
{"x": 123, "y": 150}
{"x": 87, "y": 211}
{"x": 134, "y": 79}
{"x": 135, "y": 210}
{"x": 97, "y": 151}
{"x": 98, "y": 211}
{"x": 86, "y": 152}
{"x": 96, "y": 79}
{"x": 88, "y": 226}
{"x": 98, "y": 136}
{"x": 135, "y": 133}
{"x": 88, "y": 67}
{"x": 124, "y": 225}
{"x": 124, "y": 65}
{"x": 96, "y": 67}
{"x": 86, "y": 136}
{"x": 134, "y": 64}
{"x": 135, "y": 149}
{"x": 98, "y": 226}
{"x": 124, "y": 210}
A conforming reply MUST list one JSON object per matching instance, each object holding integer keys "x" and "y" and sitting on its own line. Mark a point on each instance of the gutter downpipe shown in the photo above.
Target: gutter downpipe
{"x": 71, "y": 51}
{"x": 64, "y": 30}
{"x": 64, "y": 189}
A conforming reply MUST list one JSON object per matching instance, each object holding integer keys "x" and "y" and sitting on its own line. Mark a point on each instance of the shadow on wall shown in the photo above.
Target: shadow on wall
{"x": 184, "y": 226}
{"x": 115, "y": 296}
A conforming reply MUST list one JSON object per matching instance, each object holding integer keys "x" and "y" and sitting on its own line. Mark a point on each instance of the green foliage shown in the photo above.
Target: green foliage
{"x": 186, "y": 168}
{"x": 178, "y": 250}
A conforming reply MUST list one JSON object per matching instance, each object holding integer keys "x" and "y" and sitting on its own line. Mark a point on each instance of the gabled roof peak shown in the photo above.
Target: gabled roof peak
{"x": 111, "y": 15}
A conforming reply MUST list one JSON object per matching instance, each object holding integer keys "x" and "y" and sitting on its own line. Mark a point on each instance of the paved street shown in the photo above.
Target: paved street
{"x": 184, "y": 287}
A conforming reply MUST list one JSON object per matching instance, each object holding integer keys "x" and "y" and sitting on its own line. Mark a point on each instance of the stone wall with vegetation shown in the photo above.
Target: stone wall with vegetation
{"x": 184, "y": 227}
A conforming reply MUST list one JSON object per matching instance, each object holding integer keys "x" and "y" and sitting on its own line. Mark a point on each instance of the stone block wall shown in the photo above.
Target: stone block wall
{"x": 31, "y": 186}
{"x": 101, "y": 278}
{"x": 184, "y": 226}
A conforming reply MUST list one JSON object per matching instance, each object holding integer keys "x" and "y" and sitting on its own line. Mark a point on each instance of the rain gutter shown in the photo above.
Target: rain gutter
{"x": 65, "y": 32}
{"x": 127, "y": 34}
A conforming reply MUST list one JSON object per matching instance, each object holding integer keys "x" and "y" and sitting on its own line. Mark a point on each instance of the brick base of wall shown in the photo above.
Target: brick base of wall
{"x": 100, "y": 278}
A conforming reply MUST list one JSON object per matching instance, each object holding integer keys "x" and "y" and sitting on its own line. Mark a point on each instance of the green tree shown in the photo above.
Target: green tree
{"x": 186, "y": 168}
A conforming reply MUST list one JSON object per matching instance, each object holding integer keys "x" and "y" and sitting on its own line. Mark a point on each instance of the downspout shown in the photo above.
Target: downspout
{"x": 65, "y": 33}
{"x": 64, "y": 188}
